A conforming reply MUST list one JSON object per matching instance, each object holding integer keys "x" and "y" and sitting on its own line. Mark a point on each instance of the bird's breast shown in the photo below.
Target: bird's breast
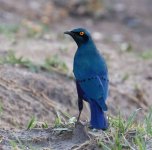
{"x": 80, "y": 67}
{"x": 85, "y": 67}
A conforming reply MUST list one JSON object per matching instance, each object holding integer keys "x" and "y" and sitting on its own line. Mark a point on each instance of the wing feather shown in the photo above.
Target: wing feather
{"x": 93, "y": 89}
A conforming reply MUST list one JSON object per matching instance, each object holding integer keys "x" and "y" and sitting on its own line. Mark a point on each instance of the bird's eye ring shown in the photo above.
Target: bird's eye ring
{"x": 81, "y": 33}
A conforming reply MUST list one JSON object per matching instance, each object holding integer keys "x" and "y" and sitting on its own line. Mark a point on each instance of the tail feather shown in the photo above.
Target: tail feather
{"x": 98, "y": 118}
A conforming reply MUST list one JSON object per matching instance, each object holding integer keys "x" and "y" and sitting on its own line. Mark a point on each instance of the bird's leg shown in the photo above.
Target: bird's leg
{"x": 80, "y": 106}
{"x": 79, "y": 115}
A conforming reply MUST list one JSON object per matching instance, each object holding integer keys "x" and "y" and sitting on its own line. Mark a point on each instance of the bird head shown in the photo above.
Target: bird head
{"x": 80, "y": 35}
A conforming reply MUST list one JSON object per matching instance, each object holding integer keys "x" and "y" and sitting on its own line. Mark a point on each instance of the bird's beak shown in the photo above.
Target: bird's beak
{"x": 68, "y": 32}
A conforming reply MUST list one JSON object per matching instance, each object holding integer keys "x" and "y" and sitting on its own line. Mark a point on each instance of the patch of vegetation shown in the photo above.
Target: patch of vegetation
{"x": 146, "y": 55}
{"x": 126, "y": 47}
{"x": 28, "y": 28}
{"x": 52, "y": 63}
{"x": 121, "y": 135}
{"x": 63, "y": 121}
{"x": 58, "y": 121}
{"x": 56, "y": 63}
{"x": 33, "y": 123}
{"x": 8, "y": 29}
{"x": 11, "y": 58}
{"x": 14, "y": 145}
{"x": 126, "y": 134}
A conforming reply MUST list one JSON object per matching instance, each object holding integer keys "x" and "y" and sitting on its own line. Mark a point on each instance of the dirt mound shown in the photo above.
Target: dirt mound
{"x": 24, "y": 94}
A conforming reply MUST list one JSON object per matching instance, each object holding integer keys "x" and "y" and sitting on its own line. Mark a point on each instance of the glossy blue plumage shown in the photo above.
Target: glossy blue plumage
{"x": 91, "y": 75}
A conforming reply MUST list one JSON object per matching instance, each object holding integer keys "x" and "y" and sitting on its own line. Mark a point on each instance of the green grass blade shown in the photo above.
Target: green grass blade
{"x": 1, "y": 108}
{"x": 31, "y": 123}
{"x": 148, "y": 122}
{"x": 131, "y": 119}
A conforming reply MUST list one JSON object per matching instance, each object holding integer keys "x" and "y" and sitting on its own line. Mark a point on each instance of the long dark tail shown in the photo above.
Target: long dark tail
{"x": 98, "y": 118}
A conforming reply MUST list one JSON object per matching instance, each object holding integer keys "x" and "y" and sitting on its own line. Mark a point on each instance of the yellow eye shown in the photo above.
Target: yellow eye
{"x": 81, "y": 33}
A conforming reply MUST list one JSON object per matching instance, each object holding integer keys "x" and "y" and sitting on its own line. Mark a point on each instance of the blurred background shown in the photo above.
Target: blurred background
{"x": 36, "y": 58}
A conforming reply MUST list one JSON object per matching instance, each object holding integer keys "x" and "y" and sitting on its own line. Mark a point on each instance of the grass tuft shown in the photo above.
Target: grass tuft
{"x": 56, "y": 63}
{"x": 45, "y": 125}
{"x": 127, "y": 134}
{"x": 11, "y": 58}
{"x": 52, "y": 63}
{"x": 64, "y": 121}
{"x": 32, "y": 123}
{"x": 130, "y": 121}
{"x": 58, "y": 122}
{"x": 148, "y": 123}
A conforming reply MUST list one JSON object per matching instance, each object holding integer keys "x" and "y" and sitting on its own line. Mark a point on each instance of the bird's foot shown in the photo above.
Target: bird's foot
{"x": 92, "y": 129}
{"x": 81, "y": 123}
{"x": 96, "y": 130}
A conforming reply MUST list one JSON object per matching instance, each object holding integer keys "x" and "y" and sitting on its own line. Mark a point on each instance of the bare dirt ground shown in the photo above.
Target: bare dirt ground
{"x": 50, "y": 139}
{"x": 120, "y": 36}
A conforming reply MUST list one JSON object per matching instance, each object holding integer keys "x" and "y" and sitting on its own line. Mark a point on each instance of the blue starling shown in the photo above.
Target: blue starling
{"x": 91, "y": 76}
